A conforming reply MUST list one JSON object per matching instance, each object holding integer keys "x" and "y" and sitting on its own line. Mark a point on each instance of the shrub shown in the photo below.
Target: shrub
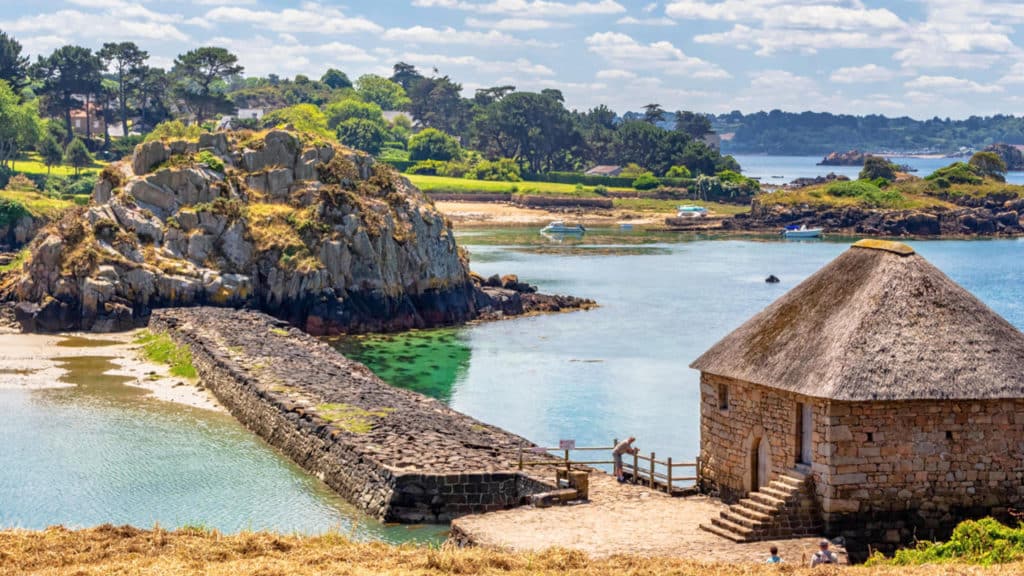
{"x": 989, "y": 165}
{"x": 340, "y": 111}
{"x": 11, "y": 212}
{"x": 867, "y": 192}
{"x": 21, "y": 183}
{"x": 983, "y": 542}
{"x": 876, "y": 167}
{"x": 362, "y": 134}
{"x": 601, "y": 190}
{"x": 957, "y": 173}
{"x": 501, "y": 170}
{"x": 77, "y": 155}
{"x": 432, "y": 144}
{"x": 211, "y": 160}
{"x": 305, "y": 118}
{"x": 174, "y": 129}
{"x": 427, "y": 167}
{"x": 678, "y": 172}
{"x": 646, "y": 182}
{"x": 634, "y": 170}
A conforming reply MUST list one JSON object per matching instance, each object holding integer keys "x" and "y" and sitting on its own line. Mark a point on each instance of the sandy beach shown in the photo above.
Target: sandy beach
{"x": 32, "y": 361}
{"x": 468, "y": 214}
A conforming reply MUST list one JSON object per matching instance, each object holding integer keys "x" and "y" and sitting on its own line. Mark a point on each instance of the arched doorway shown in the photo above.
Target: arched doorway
{"x": 759, "y": 465}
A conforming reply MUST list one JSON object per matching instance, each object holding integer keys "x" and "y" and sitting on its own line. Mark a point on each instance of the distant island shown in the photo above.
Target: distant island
{"x": 819, "y": 133}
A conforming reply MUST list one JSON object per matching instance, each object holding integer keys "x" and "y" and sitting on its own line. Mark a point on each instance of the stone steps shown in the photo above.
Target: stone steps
{"x": 781, "y": 509}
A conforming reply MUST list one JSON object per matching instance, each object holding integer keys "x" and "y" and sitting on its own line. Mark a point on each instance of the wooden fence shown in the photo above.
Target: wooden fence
{"x": 646, "y": 470}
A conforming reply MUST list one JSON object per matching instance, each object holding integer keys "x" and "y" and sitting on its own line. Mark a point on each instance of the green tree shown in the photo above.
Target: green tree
{"x": 989, "y": 165}
{"x": 654, "y": 113}
{"x": 406, "y": 76}
{"x": 532, "y": 128}
{"x": 678, "y": 172}
{"x": 432, "y": 144}
{"x": 336, "y": 79}
{"x": 152, "y": 95}
{"x": 50, "y": 151}
{"x": 67, "y": 72}
{"x": 877, "y": 167}
{"x": 699, "y": 158}
{"x": 438, "y": 103}
{"x": 19, "y": 124}
{"x": 201, "y": 76}
{"x": 342, "y": 110}
{"x": 694, "y": 125}
{"x": 127, "y": 63}
{"x": 382, "y": 92}
{"x": 642, "y": 143}
{"x": 14, "y": 67}
{"x": 77, "y": 155}
{"x": 362, "y": 134}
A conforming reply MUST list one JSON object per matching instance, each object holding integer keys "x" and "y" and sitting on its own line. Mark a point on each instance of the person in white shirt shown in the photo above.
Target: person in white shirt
{"x": 823, "y": 555}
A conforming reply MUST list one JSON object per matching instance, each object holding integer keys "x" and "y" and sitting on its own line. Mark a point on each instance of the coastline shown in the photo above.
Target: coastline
{"x": 485, "y": 214}
{"x": 33, "y": 362}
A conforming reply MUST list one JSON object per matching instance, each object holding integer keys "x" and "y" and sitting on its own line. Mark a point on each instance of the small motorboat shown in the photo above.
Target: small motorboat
{"x": 559, "y": 227}
{"x": 801, "y": 231}
{"x": 691, "y": 211}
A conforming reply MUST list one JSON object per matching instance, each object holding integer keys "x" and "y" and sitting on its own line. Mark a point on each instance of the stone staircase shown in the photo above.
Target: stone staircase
{"x": 784, "y": 508}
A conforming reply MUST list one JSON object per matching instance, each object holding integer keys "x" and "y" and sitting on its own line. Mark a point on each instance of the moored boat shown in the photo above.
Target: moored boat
{"x": 559, "y": 227}
{"x": 689, "y": 211}
{"x": 801, "y": 231}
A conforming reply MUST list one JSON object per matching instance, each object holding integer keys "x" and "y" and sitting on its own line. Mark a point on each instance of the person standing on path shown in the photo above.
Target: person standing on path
{"x": 624, "y": 447}
{"x": 823, "y": 555}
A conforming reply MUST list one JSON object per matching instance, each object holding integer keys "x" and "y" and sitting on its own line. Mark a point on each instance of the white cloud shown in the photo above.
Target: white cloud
{"x": 615, "y": 74}
{"x": 861, "y": 74}
{"x": 623, "y": 52}
{"x": 663, "y": 21}
{"x": 515, "y": 24}
{"x": 528, "y": 8}
{"x": 309, "y": 18}
{"x": 428, "y": 35}
{"x": 951, "y": 85}
{"x": 224, "y": 2}
{"x": 284, "y": 55}
{"x": 520, "y": 65}
{"x": 816, "y": 14}
{"x": 135, "y": 23}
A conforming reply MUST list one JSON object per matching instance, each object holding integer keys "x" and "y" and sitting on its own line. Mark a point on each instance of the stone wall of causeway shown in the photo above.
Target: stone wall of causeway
{"x": 398, "y": 455}
{"x": 728, "y": 436}
{"x": 914, "y": 469}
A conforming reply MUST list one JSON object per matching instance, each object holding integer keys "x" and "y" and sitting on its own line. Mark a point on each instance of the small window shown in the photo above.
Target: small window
{"x": 871, "y": 437}
{"x": 723, "y": 396}
{"x": 949, "y": 434}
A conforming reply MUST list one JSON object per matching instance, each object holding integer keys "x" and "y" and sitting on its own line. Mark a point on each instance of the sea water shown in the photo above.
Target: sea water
{"x": 778, "y": 170}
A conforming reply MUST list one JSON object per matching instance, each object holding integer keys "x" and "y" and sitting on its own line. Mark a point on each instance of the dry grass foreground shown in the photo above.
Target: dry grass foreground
{"x": 110, "y": 550}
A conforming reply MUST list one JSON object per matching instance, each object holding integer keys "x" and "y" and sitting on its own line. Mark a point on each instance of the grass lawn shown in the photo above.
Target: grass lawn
{"x": 34, "y": 165}
{"x": 466, "y": 186}
{"x": 37, "y": 204}
{"x": 669, "y": 206}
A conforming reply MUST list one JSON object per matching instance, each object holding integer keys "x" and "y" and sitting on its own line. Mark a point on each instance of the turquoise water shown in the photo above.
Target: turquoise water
{"x": 104, "y": 452}
{"x": 622, "y": 369}
{"x": 785, "y": 169}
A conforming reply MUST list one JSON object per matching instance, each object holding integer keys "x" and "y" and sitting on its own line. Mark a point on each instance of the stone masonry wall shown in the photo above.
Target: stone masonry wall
{"x": 396, "y": 454}
{"x": 727, "y": 436}
{"x": 899, "y": 470}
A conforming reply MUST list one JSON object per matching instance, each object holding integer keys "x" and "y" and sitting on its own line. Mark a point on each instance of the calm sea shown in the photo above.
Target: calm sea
{"x": 785, "y": 169}
{"x": 102, "y": 452}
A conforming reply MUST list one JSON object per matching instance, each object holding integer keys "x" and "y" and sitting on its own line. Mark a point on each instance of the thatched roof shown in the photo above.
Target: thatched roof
{"x": 877, "y": 323}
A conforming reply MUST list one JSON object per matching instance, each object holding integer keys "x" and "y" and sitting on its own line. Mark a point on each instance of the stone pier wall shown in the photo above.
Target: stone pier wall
{"x": 396, "y": 454}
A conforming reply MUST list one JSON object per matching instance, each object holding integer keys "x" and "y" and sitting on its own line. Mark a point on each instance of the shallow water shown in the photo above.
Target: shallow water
{"x": 105, "y": 452}
{"x": 785, "y": 169}
{"x": 622, "y": 369}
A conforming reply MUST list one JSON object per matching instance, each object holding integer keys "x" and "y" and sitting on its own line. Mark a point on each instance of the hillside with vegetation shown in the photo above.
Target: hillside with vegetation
{"x": 819, "y": 133}
{"x": 964, "y": 198}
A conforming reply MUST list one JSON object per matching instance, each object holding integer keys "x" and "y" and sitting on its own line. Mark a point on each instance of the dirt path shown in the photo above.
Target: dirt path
{"x": 624, "y": 519}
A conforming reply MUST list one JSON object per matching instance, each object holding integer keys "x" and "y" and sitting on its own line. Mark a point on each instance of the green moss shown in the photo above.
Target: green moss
{"x": 279, "y": 332}
{"x": 158, "y": 347}
{"x": 351, "y": 418}
{"x": 16, "y": 263}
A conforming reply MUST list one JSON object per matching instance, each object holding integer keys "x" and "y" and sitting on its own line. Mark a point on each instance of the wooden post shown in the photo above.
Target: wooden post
{"x": 669, "y": 487}
{"x": 567, "y": 465}
{"x": 636, "y": 465}
{"x": 520, "y": 456}
{"x": 652, "y": 470}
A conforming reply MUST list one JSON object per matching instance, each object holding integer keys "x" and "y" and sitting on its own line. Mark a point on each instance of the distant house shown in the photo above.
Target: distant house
{"x": 82, "y": 123}
{"x": 391, "y": 115}
{"x": 250, "y": 113}
{"x": 604, "y": 171}
{"x": 877, "y": 400}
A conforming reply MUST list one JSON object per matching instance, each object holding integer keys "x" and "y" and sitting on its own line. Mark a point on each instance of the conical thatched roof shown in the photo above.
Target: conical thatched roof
{"x": 877, "y": 323}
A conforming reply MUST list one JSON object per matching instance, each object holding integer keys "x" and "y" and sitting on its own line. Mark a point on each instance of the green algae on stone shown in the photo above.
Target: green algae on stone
{"x": 351, "y": 418}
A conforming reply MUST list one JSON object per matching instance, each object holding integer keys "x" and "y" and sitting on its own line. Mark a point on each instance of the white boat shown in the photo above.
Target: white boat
{"x": 689, "y": 211}
{"x": 801, "y": 231}
{"x": 559, "y": 227}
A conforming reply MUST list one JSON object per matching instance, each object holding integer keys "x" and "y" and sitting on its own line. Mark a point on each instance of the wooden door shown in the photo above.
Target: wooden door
{"x": 806, "y": 427}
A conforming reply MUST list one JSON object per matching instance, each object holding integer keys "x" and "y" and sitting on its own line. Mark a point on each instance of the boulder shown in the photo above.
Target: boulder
{"x": 921, "y": 224}
{"x": 147, "y": 155}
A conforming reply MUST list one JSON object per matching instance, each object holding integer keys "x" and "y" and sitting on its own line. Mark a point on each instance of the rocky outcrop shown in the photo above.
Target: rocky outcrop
{"x": 16, "y": 233}
{"x": 1002, "y": 219}
{"x": 1013, "y": 157}
{"x": 313, "y": 233}
{"x": 851, "y": 158}
{"x": 830, "y": 177}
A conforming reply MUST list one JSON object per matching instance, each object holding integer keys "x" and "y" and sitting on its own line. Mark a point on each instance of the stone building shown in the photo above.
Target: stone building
{"x": 877, "y": 400}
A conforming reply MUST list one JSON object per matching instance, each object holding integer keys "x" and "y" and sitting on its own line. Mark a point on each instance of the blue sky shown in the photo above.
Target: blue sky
{"x": 919, "y": 58}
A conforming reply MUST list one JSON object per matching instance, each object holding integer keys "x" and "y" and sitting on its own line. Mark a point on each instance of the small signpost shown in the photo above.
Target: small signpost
{"x": 566, "y": 444}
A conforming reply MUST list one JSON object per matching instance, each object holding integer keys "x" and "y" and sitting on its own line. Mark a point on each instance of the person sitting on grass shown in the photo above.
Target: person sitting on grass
{"x": 624, "y": 447}
{"x": 823, "y": 555}
{"x": 774, "y": 558}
